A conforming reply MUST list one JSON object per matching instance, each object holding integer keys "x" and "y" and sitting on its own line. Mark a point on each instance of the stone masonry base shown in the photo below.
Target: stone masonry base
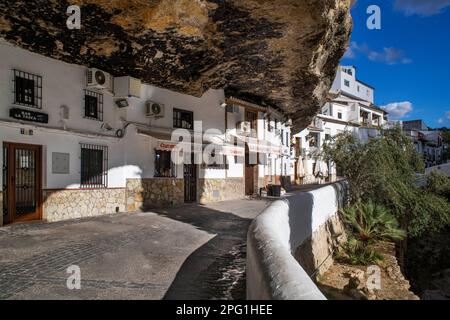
{"x": 154, "y": 192}
{"x": 316, "y": 251}
{"x": 213, "y": 190}
{"x": 71, "y": 204}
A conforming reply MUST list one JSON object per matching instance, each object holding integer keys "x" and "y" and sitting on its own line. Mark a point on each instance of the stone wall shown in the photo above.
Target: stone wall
{"x": 213, "y": 190}
{"x": 289, "y": 240}
{"x": 154, "y": 192}
{"x": 315, "y": 253}
{"x": 71, "y": 204}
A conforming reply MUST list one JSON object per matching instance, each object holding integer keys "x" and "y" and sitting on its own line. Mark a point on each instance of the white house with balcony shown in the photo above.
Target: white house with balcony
{"x": 349, "y": 108}
{"x": 77, "y": 141}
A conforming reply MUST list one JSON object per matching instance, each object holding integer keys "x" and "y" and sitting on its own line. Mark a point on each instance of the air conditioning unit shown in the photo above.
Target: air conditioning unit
{"x": 154, "y": 109}
{"x": 244, "y": 127}
{"x": 126, "y": 87}
{"x": 98, "y": 79}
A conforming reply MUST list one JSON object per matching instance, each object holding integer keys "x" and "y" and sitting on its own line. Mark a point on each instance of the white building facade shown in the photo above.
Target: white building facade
{"x": 76, "y": 143}
{"x": 349, "y": 108}
{"x": 429, "y": 143}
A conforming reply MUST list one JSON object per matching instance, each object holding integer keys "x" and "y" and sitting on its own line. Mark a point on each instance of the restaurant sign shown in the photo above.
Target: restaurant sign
{"x": 27, "y": 115}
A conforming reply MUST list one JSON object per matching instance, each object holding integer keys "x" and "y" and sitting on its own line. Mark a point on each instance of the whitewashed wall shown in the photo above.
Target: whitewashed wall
{"x": 364, "y": 92}
{"x": 66, "y": 143}
{"x": 64, "y": 84}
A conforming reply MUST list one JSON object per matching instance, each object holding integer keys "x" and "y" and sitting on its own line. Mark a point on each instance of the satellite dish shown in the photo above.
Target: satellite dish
{"x": 100, "y": 77}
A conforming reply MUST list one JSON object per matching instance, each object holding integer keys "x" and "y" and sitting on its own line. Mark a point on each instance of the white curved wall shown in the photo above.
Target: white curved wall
{"x": 275, "y": 235}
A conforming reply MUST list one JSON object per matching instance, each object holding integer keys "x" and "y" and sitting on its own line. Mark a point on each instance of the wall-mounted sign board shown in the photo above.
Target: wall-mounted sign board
{"x": 60, "y": 163}
{"x": 27, "y": 115}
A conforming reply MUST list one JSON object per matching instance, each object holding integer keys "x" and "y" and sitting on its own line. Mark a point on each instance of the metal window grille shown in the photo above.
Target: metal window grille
{"x": 5, "y": 184}
{"x": 183, "y": 119}
{"x": 94, "y": 166}
{"x": 164, "y": 167}
{"x": 93, "y": 105}
{"x": 27, "y": 89}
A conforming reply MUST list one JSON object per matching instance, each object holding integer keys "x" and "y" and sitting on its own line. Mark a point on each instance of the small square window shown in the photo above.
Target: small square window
{"x": 339, "y": 115}
{"x": 347, "y": 83}
{"x": 93, "y": 105}
{"x": 94, "y": 166}
{"x": 27, "y": 89}
{"x": 164, "y": 167}
{"x": 183, "y": 119}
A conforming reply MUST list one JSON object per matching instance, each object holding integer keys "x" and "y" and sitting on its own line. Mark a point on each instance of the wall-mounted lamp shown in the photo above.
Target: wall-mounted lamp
{"x": 122, "y": 103}
{"x": 106, "y": 127}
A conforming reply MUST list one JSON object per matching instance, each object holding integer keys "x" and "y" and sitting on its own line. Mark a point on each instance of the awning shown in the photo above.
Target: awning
{"x": 155, "y": 134}
{"x": 260, "y": 146}
{"x": 235, "y": 151}
{"x": 165, "y": 145}
{"x": 226, "y": 150}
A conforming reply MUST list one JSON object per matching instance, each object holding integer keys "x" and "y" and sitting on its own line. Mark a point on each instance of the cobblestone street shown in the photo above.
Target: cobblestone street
{"x": 191, "y": 252}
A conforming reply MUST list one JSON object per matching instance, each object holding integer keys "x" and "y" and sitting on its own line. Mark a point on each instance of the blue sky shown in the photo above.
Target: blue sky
{"x": 408, "y": 60}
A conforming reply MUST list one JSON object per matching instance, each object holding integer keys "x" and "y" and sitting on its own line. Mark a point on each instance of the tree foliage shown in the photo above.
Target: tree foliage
{"x": 367, "y": 223}
{"x": 370, "y": 222}
{"x": 383, "y": 170}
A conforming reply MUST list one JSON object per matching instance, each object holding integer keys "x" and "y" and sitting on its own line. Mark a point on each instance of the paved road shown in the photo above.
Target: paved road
{"x": 191, "y": 252}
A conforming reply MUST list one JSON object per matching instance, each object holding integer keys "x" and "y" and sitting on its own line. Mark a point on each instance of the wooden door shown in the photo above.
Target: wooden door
{"x": 249, "y": 180}
{"x": 249, "y": 174}
{"x": 190, "y": 182}
{"x": 22, "y": 167}
{"x": 251, "y": 117}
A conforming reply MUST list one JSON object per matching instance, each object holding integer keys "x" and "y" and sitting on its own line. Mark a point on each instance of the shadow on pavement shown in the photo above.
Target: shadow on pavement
{"x": 216, "y": 270}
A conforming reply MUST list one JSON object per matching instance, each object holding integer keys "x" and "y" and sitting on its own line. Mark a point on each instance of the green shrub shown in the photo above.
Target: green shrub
{"x": 439, "y": 184}
{"x": 366, "y": 224}
{"x": 369, "y": 222}
{"x": 355, "y": 252}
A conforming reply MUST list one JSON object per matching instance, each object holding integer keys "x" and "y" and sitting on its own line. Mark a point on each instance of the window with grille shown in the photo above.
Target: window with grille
{"x": 183, "y": 119}
{"x": 94, "y": 166}
{"x": 93, "y": 105}
{"x": 164, "y": 167}
{"x": 27, "y": 89}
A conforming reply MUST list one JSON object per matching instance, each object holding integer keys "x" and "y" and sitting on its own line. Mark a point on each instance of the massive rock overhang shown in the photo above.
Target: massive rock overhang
{"x": 278, "y": 53}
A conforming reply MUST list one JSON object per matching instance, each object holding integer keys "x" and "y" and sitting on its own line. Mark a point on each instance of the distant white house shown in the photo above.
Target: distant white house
{"x": 349, "y": 108}
{"x": 428, "y": 142}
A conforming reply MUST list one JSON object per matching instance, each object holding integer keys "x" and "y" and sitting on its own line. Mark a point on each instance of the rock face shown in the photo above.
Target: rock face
{"x": 282, "y": 53}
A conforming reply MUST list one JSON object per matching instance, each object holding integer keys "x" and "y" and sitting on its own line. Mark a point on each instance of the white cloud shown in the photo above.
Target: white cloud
{"x": 447, "y": 115}
{"x": 423, "y": 8}
{"x": 398, "y": 110}
{"x": 440, "y": 120}
{"x": 389, "y": 55}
